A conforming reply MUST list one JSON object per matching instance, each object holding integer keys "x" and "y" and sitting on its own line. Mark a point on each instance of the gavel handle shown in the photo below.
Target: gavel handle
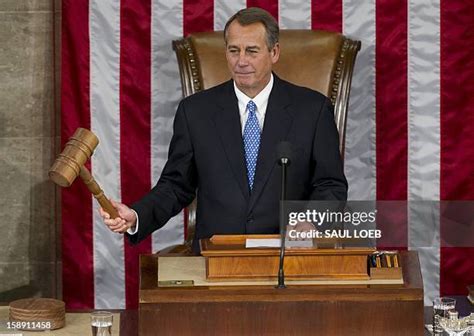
{"x": 98, "y": 193}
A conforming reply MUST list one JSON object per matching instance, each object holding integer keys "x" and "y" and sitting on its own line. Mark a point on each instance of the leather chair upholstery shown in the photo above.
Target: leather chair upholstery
{"x": 321, "y": 60}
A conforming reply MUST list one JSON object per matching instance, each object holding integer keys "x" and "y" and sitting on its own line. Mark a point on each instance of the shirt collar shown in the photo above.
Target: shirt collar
{"x": 261, "y": 99}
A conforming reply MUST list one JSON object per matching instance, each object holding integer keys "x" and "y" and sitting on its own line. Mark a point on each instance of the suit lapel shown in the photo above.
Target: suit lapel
{"x": 227, "y": 120}
{"x": 278, "y": 120}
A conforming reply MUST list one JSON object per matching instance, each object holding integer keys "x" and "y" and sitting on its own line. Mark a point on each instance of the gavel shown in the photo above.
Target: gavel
{"x": 70, "y": 164}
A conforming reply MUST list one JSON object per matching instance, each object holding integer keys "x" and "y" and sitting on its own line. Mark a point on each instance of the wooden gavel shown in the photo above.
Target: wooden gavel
{"x": 70, "y": 163}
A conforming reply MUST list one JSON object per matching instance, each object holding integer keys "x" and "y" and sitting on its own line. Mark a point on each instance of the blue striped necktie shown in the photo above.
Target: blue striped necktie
{"x": 251, "y": 141}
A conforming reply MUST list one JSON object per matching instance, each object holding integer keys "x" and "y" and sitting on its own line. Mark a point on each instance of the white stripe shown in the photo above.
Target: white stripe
{"x": 109, "y": 267}
{"x": 360, "y": 169}
{"x": 224, "y": 9}
{"x": 167, "y": 25}
{"x": 294, "y": 14}
{"x": 424, "y": 137}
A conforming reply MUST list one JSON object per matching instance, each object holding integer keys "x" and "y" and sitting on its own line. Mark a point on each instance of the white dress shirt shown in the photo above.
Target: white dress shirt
{"x": 261, "y": 100}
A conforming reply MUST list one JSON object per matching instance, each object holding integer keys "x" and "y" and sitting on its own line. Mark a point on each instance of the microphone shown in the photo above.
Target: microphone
{"x": 284, "y": 160}
{"x": 284, "y": 153}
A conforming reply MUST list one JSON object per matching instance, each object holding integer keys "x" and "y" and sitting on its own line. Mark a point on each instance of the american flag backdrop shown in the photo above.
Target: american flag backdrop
{"x": 410, "y": 132}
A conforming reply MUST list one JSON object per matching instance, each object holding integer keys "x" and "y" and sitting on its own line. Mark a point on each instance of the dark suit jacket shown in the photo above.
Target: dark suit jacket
{"x": 206, "y": 154}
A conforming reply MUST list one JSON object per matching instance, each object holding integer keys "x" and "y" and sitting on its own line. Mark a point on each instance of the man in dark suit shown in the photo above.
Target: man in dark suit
{"x": 224, "y": 145}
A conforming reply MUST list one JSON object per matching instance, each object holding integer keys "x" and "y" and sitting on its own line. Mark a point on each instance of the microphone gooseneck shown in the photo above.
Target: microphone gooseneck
{"x": 284, "y": 160}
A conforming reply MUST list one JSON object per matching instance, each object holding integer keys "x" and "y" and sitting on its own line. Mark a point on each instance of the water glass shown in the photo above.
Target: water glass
{"x": 441, "y": 307}
{"x": 101, "y": 323}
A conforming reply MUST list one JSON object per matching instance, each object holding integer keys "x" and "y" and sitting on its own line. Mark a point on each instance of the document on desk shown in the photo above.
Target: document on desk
{"x": 262, "y": 242}
{"x": 276, "y": 242}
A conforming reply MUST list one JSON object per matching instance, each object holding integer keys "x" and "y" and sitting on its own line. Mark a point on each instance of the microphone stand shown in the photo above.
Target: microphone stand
{"x": 281, "y": 274}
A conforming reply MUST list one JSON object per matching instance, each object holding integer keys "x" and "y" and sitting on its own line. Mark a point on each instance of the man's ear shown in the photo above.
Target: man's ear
{"x": 275, "y": 52}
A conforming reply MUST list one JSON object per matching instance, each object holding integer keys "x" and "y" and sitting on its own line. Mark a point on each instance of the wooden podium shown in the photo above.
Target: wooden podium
{"x": 329, "y": 309}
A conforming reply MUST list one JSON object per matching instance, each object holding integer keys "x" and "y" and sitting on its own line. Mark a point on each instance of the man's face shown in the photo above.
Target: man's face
{"x": 248, "y": 58}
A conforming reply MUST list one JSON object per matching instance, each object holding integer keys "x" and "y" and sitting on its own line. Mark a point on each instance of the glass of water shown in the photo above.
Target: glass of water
{"x": 455, "y": 326}
{"x": 101, "y": 322}
{"x": 441, "y": 308}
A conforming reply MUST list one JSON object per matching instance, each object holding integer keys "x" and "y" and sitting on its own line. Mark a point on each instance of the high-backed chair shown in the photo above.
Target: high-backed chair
{"x": 321, "y": 60}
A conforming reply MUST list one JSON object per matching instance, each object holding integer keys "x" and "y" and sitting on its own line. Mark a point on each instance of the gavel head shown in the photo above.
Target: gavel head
{"x": 77, "y": 151}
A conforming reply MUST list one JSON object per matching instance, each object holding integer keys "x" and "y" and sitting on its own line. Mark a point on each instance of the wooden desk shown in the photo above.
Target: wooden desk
{"x": 297, "y": 310}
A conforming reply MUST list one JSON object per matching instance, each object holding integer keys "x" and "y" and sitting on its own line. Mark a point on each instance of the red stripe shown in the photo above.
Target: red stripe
{"x": 77, "y": 249}
{"x": 391, "y": 112}
{"x": 391, "y": 99}
{"x": 270, "y": 6}
{"x": 326, "y": 15}
{"x": 135, "y": 123}
{"x": 198, "y": 16}
{"x": 457, "y": 129}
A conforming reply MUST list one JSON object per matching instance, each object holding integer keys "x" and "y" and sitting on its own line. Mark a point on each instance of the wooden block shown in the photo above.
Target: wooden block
{"x": 386, "y": 273}
{"x": 228, "y": 259}
{"x": 38, "y": 310}
{"x": 386, "y": 268}
{"x": 296, "y": 267}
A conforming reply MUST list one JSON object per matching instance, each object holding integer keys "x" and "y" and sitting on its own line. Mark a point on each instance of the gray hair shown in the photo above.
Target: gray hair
{"x": 251, "y": 15}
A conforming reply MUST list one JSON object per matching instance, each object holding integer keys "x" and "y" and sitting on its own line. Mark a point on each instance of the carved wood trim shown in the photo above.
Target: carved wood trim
{"x": 341, "y": 85}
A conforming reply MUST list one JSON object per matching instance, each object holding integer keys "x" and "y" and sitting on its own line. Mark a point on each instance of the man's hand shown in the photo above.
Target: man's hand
{"x": 127, "y": 218}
